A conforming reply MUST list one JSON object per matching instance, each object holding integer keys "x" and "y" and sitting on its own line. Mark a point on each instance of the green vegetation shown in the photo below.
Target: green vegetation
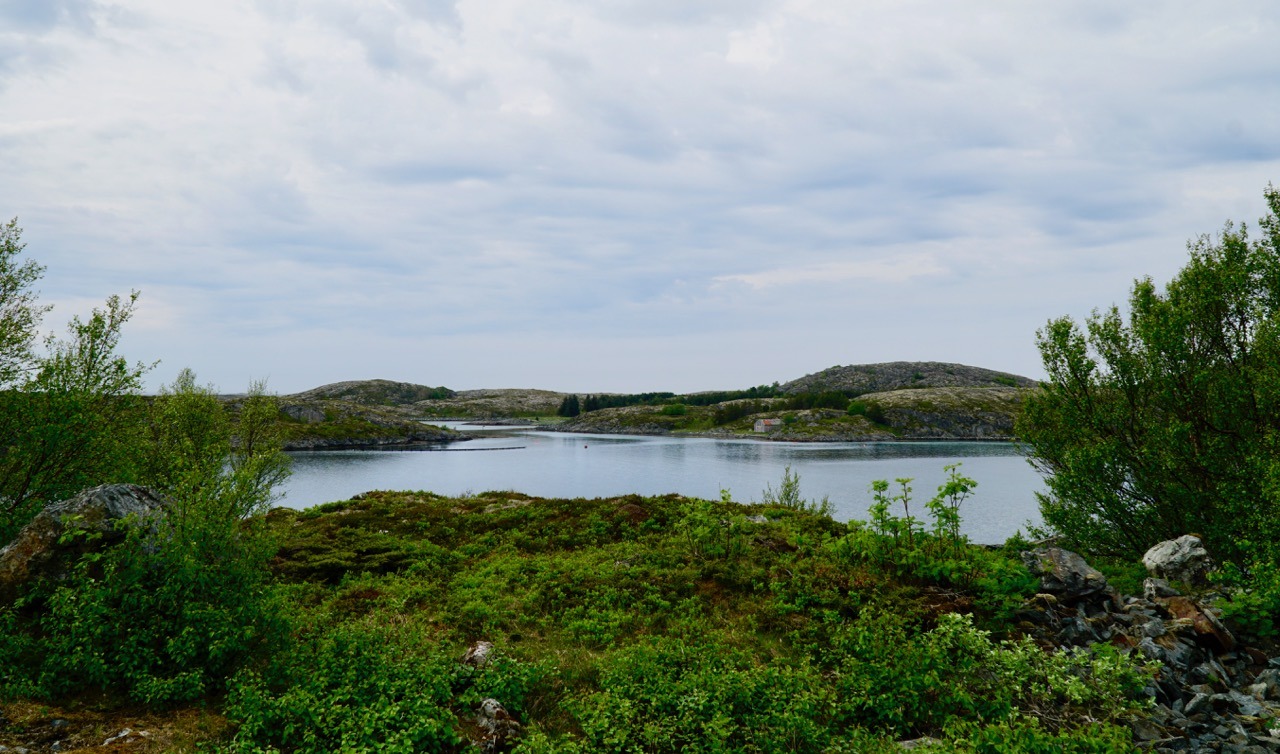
{"x": 657, "y": 624}
{"x": 69, "y": 413}
{"x": 170, "y": 613}
{"x": 1169, "y": 422}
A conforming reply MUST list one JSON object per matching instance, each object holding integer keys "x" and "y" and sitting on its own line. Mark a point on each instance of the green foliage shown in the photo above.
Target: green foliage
{"x": 155, "y": 618}
{"x": 70, "y": 421}
{"x": 941, "y": 555}
{"x": 675, "y": 409}
{"x": 364, "y": 687}
{"x": 893, "y": 679}
{"x": 20, "y": 315}
{"x": 676, "y": 695}
{"x": 1252, "y": 605}
{"x": 169, "y": 613}
{"x": 729, "y": 412}
{"x": 569, "y": 406}
{"x": 788, "y": 496}
{"x": 829, "y": 399}
{"x": 1168, "y": 422}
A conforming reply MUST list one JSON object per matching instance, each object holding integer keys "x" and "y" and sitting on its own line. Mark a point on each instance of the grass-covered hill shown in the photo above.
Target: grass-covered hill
{"x": 899, "y": 375}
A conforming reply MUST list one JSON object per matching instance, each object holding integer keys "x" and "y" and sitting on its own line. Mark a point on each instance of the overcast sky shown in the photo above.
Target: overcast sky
{"x": 620, "y": 195}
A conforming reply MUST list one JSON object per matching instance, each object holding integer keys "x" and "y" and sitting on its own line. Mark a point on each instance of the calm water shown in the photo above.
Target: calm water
{"x": 551, "y": 464}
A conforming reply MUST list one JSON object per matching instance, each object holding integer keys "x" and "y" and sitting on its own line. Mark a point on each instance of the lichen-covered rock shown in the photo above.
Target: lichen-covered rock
{"x": 498, "y": 725}
{"x": 1181, "y": 559}
{"x": 1063, "y": 573}
{"x": 1208, "y": 629}
{"x": 39, "y": 550}
{"x": 479, "y": 654}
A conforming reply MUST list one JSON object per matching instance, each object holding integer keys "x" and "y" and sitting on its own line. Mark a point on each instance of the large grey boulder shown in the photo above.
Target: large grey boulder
{"x": 39, "y": 550}
{"x": 1182, "y": 559}
{"x": 1063, "y": 573}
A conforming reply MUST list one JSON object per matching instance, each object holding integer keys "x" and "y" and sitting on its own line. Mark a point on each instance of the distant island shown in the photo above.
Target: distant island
{"x": 865, "y": 402}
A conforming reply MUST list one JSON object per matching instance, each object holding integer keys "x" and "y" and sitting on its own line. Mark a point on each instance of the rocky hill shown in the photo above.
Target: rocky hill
{"x": 943, "y": 413}
{"x": 510, "y": 402}
{"x": 899, "y": 375}
{"x": 374, "y": 393}
{"x": 314, "y": 424}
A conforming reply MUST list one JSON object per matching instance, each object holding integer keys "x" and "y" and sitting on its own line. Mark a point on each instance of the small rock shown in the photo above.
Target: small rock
{"x": 918, "y": 743}
{"x": 1181, "y": 559}
{"x": 1153, "y": 589}
{"x": 479, "y": 655}
{"x": 1208, "y": 629}
{"x": 1063, "y": 573}
{"x": 1246, "y": 704}
{"x": 499, "y": 726}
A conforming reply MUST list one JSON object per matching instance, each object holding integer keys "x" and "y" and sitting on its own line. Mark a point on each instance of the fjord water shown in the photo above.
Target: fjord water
{"x": 550, "y": 464}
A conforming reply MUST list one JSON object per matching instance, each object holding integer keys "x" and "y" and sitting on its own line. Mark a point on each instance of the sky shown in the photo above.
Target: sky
{"x": 619, "y": 195}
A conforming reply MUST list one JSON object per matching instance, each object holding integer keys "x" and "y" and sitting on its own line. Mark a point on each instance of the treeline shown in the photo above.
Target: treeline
{"x": 572, "y": 405}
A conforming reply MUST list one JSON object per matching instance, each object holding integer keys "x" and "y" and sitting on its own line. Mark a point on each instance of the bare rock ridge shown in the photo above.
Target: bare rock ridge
{"x": 899, "y": 375}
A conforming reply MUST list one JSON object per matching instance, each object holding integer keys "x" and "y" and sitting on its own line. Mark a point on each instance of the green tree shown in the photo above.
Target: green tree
{"x": 169, "y": 614}
{"x": 70, "y": 420}
{"x": 20, "y": 315}
{"x": 1169, "y": 422}
{"x": 569, "y": 406}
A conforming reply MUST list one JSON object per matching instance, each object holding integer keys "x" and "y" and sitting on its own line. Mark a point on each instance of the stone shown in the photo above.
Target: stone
{"x": 38, "y": 551}
{"x": 1153, "y": 589}
{"x": 919, "y": 743}
{"x": 479, "y": 654}
{"x": 1246, "y": 704}
{"x": 1063, "y": 573}
{"x": 1208, "y": 629}
{"x": 498, "y": 725}
{"x": 1182, "y": 559}
{"x": 303, "y": 413}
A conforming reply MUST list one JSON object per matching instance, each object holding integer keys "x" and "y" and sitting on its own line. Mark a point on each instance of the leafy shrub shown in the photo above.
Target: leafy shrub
{"x": 356, "y": 688}
{"x": 672, "y": 695}
{"x": 674, "y": 409}
{"x": 888, "y": 678}
{"x": 159, "y": 619}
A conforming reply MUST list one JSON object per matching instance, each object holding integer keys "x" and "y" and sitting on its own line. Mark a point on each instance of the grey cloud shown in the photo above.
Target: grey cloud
{"x": 42, "y": 15}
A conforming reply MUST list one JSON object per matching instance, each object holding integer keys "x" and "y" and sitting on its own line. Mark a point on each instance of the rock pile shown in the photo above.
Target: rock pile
{"x": 1211, "y": 694}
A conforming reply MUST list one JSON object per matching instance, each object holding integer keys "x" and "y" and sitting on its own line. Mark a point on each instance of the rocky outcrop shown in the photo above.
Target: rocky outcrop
{"x": 374, "y": 392}
{"x": 1182, "y": 559}
{"x": 1211, "y": 693}
{"x": 41, "y": 551}
{"x": 897, "y": 375}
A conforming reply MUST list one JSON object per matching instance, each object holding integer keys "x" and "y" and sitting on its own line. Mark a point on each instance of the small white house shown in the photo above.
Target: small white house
{"x": 767, "y": 425}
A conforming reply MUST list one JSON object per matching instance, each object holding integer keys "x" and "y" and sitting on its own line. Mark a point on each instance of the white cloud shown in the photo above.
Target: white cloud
{"x": 434, "y": 170}
{"x": 893, "y": 270}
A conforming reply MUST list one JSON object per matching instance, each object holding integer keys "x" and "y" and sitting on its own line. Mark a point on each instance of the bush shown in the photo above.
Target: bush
{"x": 1168, "y": 422}
{"x": 356, "y": 688}
{"x": 168, "y": 614}
{"x": 673, "y": 695}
